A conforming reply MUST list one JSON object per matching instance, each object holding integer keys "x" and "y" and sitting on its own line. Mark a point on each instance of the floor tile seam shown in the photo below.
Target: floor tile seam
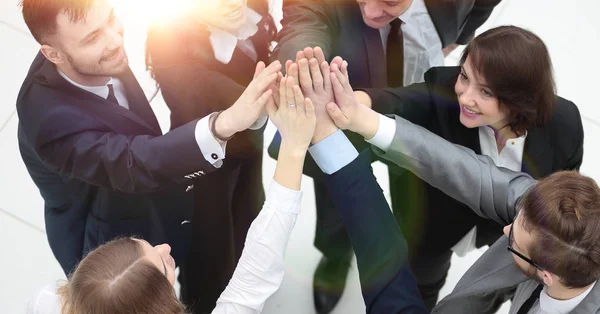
{"x": 21, "y": 220}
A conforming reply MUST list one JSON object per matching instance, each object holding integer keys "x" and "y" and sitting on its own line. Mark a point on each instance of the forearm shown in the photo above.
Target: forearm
{"x": 260, "y": 269}
{"x": 130, "y": 164}
{"x": 458, "y": 172}
{"x": 288, "y": 171}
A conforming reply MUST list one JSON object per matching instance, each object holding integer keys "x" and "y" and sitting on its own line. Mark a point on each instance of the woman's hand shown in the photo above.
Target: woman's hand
{"x": 294, "y": 117}
{"x": 296, "y": 120}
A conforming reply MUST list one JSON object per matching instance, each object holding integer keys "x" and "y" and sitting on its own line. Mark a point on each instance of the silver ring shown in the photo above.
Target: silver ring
{"x": 292, "y": 105}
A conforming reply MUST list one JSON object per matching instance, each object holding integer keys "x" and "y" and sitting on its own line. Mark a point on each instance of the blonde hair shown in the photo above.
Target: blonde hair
{"x": 115, "y": 278}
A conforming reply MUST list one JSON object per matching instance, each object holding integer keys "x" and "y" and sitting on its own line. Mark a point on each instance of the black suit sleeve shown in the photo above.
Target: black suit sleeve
{"x": 387, "y": 283}
{"x": 576, "y": 159}
{"x": 413, "y": 103}
{"x": 306, "y": 23}
{"x": 481, "y": 11}
{"x": 126, "y": 163}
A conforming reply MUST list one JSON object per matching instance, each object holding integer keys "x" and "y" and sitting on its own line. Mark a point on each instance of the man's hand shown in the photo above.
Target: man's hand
{"x": 347, "y": 112}
{"x": 312, "y": 71}
{"x": 246, "y": 110}
{"x": 294, "y": 118}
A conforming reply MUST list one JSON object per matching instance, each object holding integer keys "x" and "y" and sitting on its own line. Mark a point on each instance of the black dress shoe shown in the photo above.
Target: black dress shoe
{"x": 329, "y": 282}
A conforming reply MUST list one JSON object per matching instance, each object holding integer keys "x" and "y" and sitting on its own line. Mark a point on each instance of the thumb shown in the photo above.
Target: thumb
{"x": 271, "y": 107}
{"x": 337, "y": 116}
{"x": 259, "y": 68}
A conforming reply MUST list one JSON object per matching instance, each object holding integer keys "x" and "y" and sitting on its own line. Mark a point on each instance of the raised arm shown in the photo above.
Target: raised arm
{"x": 141, "y": 163}
{"x": 261, "y": 267}
{"x": 474, "y": 180}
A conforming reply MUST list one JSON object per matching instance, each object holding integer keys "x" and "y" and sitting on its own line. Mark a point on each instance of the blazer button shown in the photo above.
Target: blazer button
{"x": 189, "y": 187}
{"x": 214, "y": 156}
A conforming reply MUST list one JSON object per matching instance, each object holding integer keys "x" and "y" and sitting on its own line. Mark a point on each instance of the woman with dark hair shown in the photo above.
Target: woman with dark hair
{"x": 129, "y": 276}
{"x": 499, "y": 102}
{"x": 202, "y": 62}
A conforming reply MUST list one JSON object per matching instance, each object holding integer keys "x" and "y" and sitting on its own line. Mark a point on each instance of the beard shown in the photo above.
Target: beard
{"x": 106, "y": 66}
{"x": 531, "y": 272}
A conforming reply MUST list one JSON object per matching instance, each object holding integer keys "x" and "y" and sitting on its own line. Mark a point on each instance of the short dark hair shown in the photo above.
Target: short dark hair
{"x": 40, "y": 15}
{"x": 517, "y": 68}
{"x": 562, "y": 212}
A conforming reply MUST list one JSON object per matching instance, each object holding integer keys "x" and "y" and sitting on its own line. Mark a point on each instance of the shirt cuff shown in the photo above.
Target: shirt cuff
{"x": 213, "y": 151}
{"x": 283, "y": 199}
{"x": 385, "y": 134}
{"x": 259, "y": 123}
{"x": 333, "y": 153}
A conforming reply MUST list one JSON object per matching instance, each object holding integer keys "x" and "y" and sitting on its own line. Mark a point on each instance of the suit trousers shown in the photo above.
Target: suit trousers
{"x": 227, "y": 201}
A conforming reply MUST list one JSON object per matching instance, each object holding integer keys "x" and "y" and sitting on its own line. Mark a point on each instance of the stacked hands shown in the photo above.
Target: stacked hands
{"x": 311, "y": 102}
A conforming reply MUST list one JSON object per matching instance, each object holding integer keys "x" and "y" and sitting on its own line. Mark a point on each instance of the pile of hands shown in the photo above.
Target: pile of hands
{"x": 311, "y": 102}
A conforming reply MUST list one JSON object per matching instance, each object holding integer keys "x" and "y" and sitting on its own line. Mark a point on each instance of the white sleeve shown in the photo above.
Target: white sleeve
{"x": 212, "y": 150}
{"x": 260, "y": 270}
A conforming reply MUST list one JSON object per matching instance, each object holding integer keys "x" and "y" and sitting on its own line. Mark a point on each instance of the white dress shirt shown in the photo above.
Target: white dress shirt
{"x": 510, "y": 157}
{"x": 224, "y": 42}
{"x": 548, "y": 305}
{"x": 422, "y": 44}
{"x": 260, "y": 270}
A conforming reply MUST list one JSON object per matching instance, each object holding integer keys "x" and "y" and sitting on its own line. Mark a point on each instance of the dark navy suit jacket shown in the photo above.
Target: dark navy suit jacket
{"x": 387, "y": 283}
{"x": 104, "y": 171}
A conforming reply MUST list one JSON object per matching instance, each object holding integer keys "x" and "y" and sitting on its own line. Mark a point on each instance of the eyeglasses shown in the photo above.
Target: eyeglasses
{"x": 523, "y": 257}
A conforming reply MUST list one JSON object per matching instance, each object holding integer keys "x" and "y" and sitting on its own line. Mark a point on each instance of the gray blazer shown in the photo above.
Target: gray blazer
{"x": 489, "y": 191}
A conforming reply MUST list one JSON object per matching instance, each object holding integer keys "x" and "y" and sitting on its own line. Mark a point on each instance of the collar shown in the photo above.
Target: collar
{"x": 552, "y": 306}
{"x": 224, "y": 43}
{"x": 408, "y": 14}
{"x": 101, "y": 91}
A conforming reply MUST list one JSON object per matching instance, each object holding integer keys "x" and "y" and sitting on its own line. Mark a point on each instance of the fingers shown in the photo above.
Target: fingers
{"x": 319, "y": 55}
{"x": 298, "y": 99}
{"x": 289, "y": 94}
{"x": 299, "y": 55}
{"x": 337, "y": 60}
{"x": 264, "y": 80}
{"x": 304, "y": 76}
{"x": 287, "y": 65}
{"x": 337, "y": 116}
{"x": 325, "y": 73}
{"x": 309, "y": 53}
{"x": 264, "y": 99}
{"x": 343, "y": 79}
{"x": 259, "y": 68}
{"x": 272, "y": 108}
{"x": 275, "y": 88}
{"x": 315, "y": 74}
{"x": 338, "y": 88}
{"x": 309, "y": 108}
{"x": 293, "y": 72}
{"x": 282, "y": 92}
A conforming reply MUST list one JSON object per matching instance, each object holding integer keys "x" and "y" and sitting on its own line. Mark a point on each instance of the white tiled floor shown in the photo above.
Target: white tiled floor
{"x": 570, "y": 29}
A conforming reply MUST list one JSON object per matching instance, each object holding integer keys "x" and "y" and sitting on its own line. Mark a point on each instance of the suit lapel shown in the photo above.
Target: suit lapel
{"x": 524, "y": 291}
{"x": 538, "y": 153}
{"x": 48, "y": 75}
{"x": 494, "y": 270}
{"x": 374, "y": 50}
{"x": 138, "y": 103}
{"x": 590, "y": 303}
